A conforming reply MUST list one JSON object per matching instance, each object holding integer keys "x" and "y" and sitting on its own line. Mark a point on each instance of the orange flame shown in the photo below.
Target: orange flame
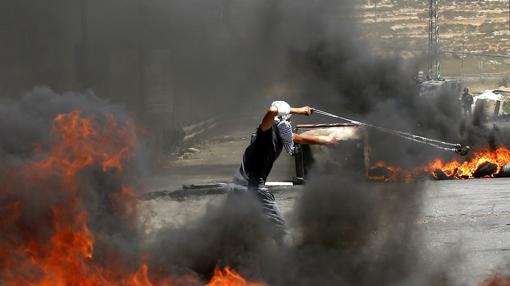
{"x": 466, "y": 169}
{"x": 65, "y": 255}
{"x": 382, "y": 171}
{"x": 228, "y": 277}
{"x": 453, "y": 169}
{"x": 496, "y": 280}
{"x": 140, "y": 278}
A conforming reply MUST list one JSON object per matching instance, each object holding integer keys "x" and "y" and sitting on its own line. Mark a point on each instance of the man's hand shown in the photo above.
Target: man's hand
{"x": 331, "y": 140}
{"x": 305, "y": 110}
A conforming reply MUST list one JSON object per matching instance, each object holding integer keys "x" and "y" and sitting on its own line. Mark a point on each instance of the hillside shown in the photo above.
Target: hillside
{"x": 470, "y": 26}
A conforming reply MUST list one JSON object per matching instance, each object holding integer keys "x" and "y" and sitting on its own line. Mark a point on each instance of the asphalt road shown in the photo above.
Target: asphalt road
{"x": 472, "y": 217}
{"x": 469, "y": 219}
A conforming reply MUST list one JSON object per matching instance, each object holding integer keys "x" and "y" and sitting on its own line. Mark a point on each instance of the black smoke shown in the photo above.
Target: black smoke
{"x": 346, "y": 78}
{"x": 173, "y": 63}
{"x": 203, "y": 57}
{"x": 345, "y": 231}
{"x": 38, "y": 203}
{"x": 230, "y": 58}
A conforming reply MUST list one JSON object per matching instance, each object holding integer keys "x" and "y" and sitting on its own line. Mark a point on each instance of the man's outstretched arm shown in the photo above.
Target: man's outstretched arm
{"x": 305, "y": 110}
{"x": 313, "y": 139}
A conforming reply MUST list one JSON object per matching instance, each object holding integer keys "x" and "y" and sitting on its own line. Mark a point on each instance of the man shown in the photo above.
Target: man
{"x": 467, "y": 101}
{"x": 273, "y": 134}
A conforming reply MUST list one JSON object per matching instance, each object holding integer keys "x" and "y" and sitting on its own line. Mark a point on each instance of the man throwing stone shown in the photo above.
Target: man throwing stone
{"x": 272, "y": 135}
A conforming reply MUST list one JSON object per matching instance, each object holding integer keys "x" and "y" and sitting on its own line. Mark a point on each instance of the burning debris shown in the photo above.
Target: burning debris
{"x": 381, "y": 171}
{"x": 482, "y": 163}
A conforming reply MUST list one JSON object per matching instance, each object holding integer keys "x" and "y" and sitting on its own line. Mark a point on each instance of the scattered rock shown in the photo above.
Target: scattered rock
{"x": 193, "y": 150}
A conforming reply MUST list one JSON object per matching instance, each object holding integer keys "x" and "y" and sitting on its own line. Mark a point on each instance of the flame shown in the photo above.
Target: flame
{"x": 496, "y": 280}
{"x": 452, "y": 169}
{"x": 228, "y": 277}
{"x": 57, "y": 248}
{"x": 466, "y": 169}
{"x": 382, "y": 171}
{"x": 140, "y": 278}
{"x": 66, "y": 256}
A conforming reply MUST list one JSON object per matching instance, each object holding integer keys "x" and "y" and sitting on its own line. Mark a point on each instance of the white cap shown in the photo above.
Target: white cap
{"x": 282, "y": 107}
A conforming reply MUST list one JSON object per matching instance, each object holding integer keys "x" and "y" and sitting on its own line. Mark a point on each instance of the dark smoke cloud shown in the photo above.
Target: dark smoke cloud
{"x": 30, "y": 203}
{"x": 347, "y": 231}
{"x": 216, "y": 53}
{"x": 223, "y": 57}
{"x": 232, "y": 234}
{"x": 363, "y": 233}
{"x": 27, "y": 121}
{"x": 339, "y": 72}
{"x": 382, "y": 91}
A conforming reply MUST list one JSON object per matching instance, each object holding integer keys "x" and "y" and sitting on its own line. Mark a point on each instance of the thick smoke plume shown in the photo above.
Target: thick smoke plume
{"x": 207, "y": 58}
{"x": 231, "y": 57}
{"x": 67, "y": 172}
{"x": 345, "y": 231}
{"x": 349, "y": 79}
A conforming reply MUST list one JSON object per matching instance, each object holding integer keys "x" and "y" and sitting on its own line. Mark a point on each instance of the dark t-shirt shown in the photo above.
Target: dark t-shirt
{"x": 259, "y": 156}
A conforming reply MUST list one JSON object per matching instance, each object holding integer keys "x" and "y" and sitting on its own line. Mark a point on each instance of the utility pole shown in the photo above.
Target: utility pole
{"x": 82, "y": 58}
{"x": 375, "y": 11}
{"x": 434, "y": 65}
{"x": 142, "y": 14}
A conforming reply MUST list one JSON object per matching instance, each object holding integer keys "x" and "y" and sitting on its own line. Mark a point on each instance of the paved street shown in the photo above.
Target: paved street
{"x": 473, "y": 215}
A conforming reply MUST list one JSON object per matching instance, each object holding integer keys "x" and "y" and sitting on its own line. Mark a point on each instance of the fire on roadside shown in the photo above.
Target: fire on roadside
{"x": 57, "y": 247}
{"x": 469, "y": 168}
{"x": 382, "y": 171}
{"x": 483, "y": 162}
{"x": 228, "y": 277}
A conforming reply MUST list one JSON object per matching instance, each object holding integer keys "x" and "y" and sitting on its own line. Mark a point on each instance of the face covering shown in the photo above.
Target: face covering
{"x": 285, "y": 132}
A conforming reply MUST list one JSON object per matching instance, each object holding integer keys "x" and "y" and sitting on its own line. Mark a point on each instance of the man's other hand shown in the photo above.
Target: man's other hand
{"x": 305, "y": 110}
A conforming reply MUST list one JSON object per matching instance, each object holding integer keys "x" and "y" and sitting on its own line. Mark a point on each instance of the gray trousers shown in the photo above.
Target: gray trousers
{"x": 267, "y": 202}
